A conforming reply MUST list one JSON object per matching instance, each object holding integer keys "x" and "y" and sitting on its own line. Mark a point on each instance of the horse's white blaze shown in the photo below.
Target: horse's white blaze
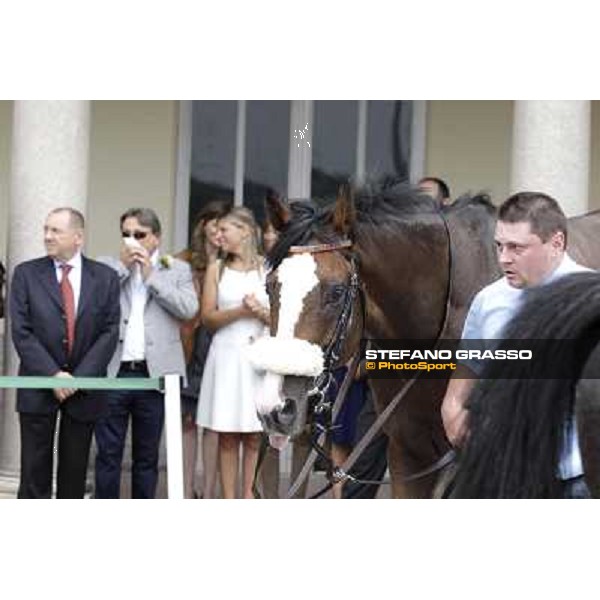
{"x": 297, "y": 276}
{"x": 283, "y": 354}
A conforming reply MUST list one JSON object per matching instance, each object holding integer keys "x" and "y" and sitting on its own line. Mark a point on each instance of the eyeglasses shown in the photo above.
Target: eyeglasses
{"x": 138, "y": 235}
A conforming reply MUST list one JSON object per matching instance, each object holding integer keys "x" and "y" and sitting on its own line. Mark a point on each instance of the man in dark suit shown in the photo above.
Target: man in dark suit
{"x": 65, "y": 313}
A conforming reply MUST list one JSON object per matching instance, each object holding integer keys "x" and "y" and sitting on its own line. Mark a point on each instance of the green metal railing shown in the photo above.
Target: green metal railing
{"x": 169, "y": 384}
{"x": 83, "y": 383}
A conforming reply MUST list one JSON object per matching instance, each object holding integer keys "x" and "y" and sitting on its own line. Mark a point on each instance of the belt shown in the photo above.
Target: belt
{"x": 134, "y": 365}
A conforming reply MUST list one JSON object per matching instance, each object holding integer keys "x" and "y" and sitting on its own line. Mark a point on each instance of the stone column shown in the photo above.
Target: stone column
{"x": 240, "y": 154}
{"x": 362, "y": 128}
{"x": 49, "y": 169}
{"x": 418, "y": 140}
{"x": 300, "y": 158}
{"x": 183, "y": 171}
{"x": 551, "y": 150}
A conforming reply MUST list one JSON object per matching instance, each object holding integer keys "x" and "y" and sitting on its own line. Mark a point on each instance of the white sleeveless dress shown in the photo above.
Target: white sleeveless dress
{"x": 229, "y": 383}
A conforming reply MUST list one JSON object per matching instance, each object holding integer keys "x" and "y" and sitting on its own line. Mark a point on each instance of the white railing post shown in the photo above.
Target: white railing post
{"x": 173, "y": 437}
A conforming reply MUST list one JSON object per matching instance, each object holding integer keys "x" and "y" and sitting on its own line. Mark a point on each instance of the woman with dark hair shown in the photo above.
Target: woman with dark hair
{"x": 203, "y": 250}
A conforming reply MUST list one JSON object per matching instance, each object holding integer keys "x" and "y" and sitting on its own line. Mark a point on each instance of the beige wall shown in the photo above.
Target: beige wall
{"x": 132, "y": 163}
{"x": 469, "y": 145}
{"x": 594, "y": 198}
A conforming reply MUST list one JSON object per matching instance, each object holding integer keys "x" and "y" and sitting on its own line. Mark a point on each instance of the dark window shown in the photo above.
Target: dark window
{"x": 267, "y": 150}
{"x": 213, "y": 153}
{"x": 334, "y": 145}
{"x": 388, "y": 140}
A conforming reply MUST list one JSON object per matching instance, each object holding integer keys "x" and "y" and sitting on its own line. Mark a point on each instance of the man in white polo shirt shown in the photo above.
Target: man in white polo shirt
{"x": 531, "y": 238}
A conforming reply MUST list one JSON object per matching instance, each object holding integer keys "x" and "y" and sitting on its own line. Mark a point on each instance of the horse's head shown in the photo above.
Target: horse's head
{"x": 316, "y": 314}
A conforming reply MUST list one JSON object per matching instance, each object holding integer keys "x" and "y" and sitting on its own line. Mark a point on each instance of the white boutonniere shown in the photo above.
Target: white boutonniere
{"x": 166, "y": 261}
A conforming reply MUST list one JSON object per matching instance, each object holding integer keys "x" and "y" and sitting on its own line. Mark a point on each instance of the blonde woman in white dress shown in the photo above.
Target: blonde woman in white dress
{"x": 235, "y": 308}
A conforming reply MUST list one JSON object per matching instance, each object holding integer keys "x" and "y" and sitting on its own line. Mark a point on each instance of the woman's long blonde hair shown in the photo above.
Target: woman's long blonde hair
{"x": 240, "y": 215}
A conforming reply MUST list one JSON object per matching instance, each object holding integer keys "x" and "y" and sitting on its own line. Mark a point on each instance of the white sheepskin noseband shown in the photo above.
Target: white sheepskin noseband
{"x": 290, "y": 356}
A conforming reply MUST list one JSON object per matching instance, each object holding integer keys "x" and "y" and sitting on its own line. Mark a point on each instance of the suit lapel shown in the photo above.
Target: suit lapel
{"x": 159, "y": 267}
{"x": 87, "y": 287}
{"x": 49, "y": 281}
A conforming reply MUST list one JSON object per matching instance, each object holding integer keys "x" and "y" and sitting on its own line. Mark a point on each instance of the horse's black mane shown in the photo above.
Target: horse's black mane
{"x": 377, "y": 207}
{"x": 480, "y": 199}
{"x": 519, "y": 410}
{"x": 306, "y": 219}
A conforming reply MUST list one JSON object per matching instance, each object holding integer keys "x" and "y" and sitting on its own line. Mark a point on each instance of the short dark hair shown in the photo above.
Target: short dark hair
{"x": 145, "y": 216}
{"x": 542, "y": 212}
{"x": 443, "y": 188}
{"x": 76, "y": 219}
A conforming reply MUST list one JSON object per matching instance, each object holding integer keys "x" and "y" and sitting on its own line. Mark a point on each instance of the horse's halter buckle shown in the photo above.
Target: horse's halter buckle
{"x": 317, "y": 395}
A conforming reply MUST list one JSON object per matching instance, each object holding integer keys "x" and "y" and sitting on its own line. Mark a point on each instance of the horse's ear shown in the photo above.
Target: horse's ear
{"x": 278, "y": 210}
{"x": 344, "y": 212}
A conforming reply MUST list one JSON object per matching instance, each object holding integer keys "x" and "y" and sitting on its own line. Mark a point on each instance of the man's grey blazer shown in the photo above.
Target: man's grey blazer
{"x": 171, "y": 299}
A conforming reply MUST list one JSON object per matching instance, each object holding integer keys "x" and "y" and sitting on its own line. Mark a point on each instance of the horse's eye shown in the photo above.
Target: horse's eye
{"x": 334, "y": 294}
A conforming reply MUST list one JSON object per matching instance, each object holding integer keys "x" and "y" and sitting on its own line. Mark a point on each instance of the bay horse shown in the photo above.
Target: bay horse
{"x": 418, "y": 271}
{"x": 418, "y": 267}
{"x": 521, "y": 412}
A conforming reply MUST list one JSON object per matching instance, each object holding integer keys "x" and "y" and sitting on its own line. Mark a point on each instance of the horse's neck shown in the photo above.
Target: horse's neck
{"x": 406, "y": 273}
{"x": 474, "y": 260}
{"x": 406, "y": 286}
{"x": 584, "y": 239}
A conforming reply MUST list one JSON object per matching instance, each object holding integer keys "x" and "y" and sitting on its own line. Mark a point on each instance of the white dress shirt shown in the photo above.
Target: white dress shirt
{"x": 134, "y": 344}
{"x": 74, "y": 275}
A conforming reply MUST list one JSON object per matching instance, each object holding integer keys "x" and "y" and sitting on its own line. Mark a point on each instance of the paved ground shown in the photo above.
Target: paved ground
{"x": 316, "y": 481}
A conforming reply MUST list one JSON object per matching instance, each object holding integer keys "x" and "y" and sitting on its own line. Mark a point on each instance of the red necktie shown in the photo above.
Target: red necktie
{"x": 69, "y": 303}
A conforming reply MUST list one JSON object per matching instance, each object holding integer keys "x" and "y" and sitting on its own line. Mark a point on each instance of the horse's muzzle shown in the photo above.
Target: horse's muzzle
{"x": 281, "y": 420}
{"x": 290, "y": 416}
